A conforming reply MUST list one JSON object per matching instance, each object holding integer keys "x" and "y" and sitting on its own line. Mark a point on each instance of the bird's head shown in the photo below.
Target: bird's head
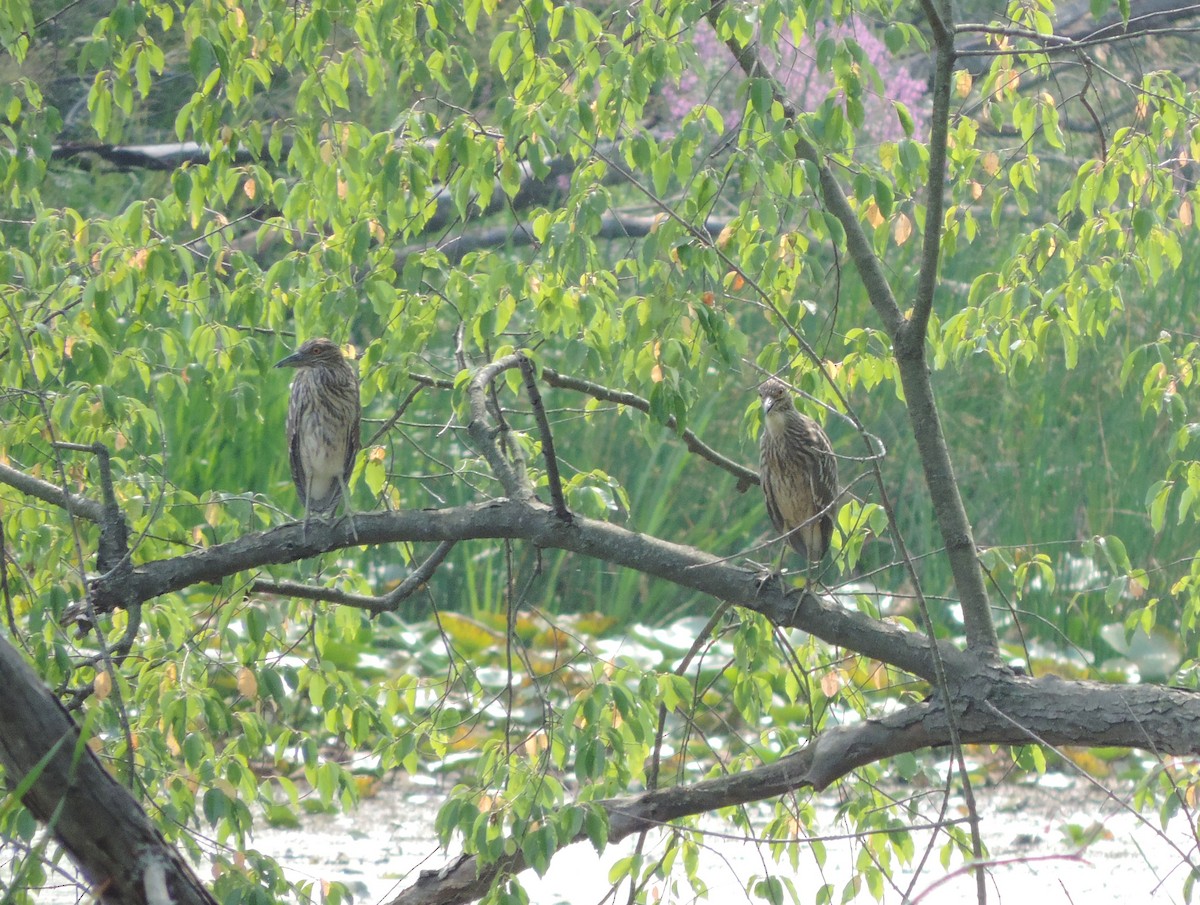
{"x": 313, "y": 354}
{"x": 775, "y": 396}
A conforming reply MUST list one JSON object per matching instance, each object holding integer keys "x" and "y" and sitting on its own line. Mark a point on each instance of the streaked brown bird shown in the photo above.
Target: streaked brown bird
{"x": 798, "y": 471}
{"x": 322, "y": 425}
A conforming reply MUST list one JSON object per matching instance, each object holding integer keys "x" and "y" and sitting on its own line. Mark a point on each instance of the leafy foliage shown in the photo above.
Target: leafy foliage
{"x": 438, "y": 184}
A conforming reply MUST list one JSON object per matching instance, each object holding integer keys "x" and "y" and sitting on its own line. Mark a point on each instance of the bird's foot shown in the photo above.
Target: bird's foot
{"x": 353, "y": 527}
{"x": 765, "y": 577}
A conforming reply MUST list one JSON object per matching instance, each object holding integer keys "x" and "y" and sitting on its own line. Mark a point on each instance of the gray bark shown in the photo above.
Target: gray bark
{"x": 96, "y": 820}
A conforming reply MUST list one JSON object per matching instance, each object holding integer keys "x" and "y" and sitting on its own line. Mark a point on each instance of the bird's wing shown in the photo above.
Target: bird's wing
{"x": 769, "y": 480}
{"x": 825, "y": 485}
{"x": 353, "y": 438}
{"x": 293, "y": 432}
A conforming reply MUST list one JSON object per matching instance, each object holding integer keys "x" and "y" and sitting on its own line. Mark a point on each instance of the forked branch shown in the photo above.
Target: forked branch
{"x": 908, "y": 338}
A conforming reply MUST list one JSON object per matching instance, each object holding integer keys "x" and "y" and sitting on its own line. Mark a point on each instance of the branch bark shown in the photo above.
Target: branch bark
{"x": 908, "y": 337}
{"x": 1005, "y": 709}
{"x": 534, "y": 521}
{"x": 95, "y": 819}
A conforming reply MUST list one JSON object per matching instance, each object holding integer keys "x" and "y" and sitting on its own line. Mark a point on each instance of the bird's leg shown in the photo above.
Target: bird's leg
{"x": 782, "y": 553}
{"x": 349, "y": 511}
{"x": 307, "y": 509}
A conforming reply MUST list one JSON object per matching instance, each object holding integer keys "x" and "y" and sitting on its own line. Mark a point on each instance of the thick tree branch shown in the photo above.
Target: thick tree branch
{"x": 512, "y": 479}
{"x": 910, "y": 349}
{"x": 113, "y": 549}
{"x": 1001, "y": 709}
{"x": 52, "y": 494}
{"x": 613, "y": 226}
{"x": 939, "y": 117}
{"x": 910, "y": 357}
{"x": 537, "y": 523}
{"x": 94, "y": 818}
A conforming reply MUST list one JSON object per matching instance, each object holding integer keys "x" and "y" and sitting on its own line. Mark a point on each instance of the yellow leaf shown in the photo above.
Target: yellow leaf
{"x": 901, "y": 229}
{"x": 103, "y": 685}
{"x": 247, "y": 683}
{"x": 962, "y": 82}
{"x": 469, "y": 635}
{"x": 991, "y": 163}
{"x": 830, "y": 683}
{"x": 250, "y": 187}
{"x": 1007, "y": 81}
{"x": 873, "y": 216}
{"x": 368, "y": 786}
{"x": 1185, "y": 213}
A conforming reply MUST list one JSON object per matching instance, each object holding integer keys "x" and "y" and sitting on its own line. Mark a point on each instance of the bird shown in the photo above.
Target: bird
{"x": 323, "y": 429}
{"x": 798, "y": 471}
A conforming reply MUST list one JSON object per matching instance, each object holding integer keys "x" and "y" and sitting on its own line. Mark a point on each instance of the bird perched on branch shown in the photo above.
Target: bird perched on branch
{"x": 798, "y": 471}
{"x": 322, "y": 425}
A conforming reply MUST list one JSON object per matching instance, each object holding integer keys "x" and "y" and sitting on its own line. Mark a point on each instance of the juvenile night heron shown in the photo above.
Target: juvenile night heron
{"x": 322, "y": 425}
{"x": 799, "y": 473}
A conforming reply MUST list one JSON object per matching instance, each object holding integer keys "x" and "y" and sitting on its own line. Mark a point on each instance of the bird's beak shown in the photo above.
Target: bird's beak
{"x": 290, "y": 362}
{"x": 766, "y": 403}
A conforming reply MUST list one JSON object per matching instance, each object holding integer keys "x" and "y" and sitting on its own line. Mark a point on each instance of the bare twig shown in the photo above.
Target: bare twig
{"x": 396, "y": 415}
{"x": 746, "y": 476}
{"x": 539, "y": 414}
{"x": 386, "y": 603}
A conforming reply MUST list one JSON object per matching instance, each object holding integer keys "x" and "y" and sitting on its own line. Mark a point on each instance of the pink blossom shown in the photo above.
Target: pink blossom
{"x": 716, "y": 77}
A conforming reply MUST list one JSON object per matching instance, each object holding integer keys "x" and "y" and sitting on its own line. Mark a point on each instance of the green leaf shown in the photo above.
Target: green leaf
{"x": 761, "y": 97}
